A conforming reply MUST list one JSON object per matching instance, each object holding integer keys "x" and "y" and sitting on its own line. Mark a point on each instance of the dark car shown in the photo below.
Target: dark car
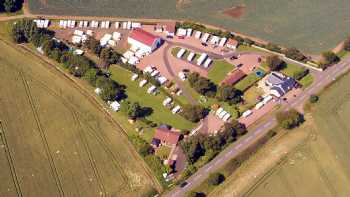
{"x": 204, "y": 44}
{"x": 183, "y": 184}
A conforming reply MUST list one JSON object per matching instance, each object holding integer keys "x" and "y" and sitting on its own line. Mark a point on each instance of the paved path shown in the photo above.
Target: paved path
{"x": 321, "y": 80}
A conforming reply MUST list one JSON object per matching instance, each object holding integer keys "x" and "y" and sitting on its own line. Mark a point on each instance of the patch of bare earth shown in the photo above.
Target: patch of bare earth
{"x": 235, "y": 12}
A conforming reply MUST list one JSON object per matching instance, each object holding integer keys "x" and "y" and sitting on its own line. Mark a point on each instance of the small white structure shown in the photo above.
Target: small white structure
{"x": 226, "y": 117}
{"x": 116, "y": 25}
{"x": 76, "y": 39}
{"x": 78, "y": 32}
{"x": 180, "y": 53}
{"x": 128, "y": 25}
{"x": 223, "y": 41}
{"x": 205, "y": 37}
{"x": 135, "y": 25}
{"x": 133, "y": 60}
{"x": 198, "y": 34}
{"x": 115, "y": 106}
{"x": 191, "y": 56}
{"x": 207, "y": 63}
{"x": 181, "y": 32}
{"x": 152, "y": 89}
{"x": 167, "y": 101}
{"x": 214, "y": 40}
{"x": 155, "y": 73}
{"x": 78, "y": 52}
{"x": 128, "y": 54}
{"x": 89, "y": 32}
{"x": 182, "y": 76}
{"x": 218, "y": 111}
{"x": 247, "y": 113}
{"x": 148, "y": 69}
{"x": 42, "y": 23}
{"x": 116, "y": 36}
{"x": 267, "y": 99}
{"x": 162, "y": 80}
{"x": 134, "y": 77}
{"x": 111, "y": 43}
{"x": 143, "y": 83}
{"x": 189, "y": 32}
{"x": 98, "y": 91}
{"x": 201, "y": 59}
{"x": 259, "y": 105}
{"x": 222, "y": 114}
{"x": 86, "y": 24}
{"x": 125, "y": 25}
{"x": 176, "y": 109}
{"x": 81, "y": 24}
{"x": 104, "y": 40}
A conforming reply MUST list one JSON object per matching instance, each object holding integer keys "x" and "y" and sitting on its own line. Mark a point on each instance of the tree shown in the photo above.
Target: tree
{"x": 274, "y": 62}
{"x": 294, "y": 54}
{"x": 93, "y": 45}
{"x": 202, "y": 85}
{"x": 313, "y": 98}
{"x": 10, "y": 5}
{"x": 134, "y": 111}
{"x": 216, "y": 178}
{"x": 91, "y": 76}
{"x": 193, "y": 148}
{"x": 193, "y": 113}
{"x": 229, "y": 94}
{"x": 289, "y": 119}
{"x": 329, "y": 58}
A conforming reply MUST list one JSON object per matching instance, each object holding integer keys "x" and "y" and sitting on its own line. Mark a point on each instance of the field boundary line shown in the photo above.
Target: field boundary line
{"x": 42, "y": 135}
{"x": 54, "y": 69}
{"x": 10, "y": 160}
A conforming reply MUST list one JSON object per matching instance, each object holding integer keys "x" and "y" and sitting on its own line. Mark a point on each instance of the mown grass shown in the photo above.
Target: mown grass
{"x": 160, "y": 114}
{"x": 247, "y": 82}
{"x": 219, "y": 70}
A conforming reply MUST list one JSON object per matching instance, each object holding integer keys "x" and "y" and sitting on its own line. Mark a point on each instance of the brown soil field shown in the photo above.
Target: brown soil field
{"x": 235, "y": 12}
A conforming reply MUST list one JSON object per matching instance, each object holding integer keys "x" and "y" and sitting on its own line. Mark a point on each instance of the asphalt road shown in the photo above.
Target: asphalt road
{"x": 322, "y": 79}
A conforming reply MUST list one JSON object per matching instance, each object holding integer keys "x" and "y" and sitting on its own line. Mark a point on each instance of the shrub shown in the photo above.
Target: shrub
{"x": 294, "y": 54}
{"x": 313, "y": 98}
{"x": 289, "y": 119}
{"x": 274, "y": 62}
{"x": 193, "y": 113}
{"x": 216, "y": 178}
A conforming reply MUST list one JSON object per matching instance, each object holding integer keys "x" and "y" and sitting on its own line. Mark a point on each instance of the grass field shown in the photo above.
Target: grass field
{"x": 320, "y": 165}
{"x": 136, "y": 94}
{"x": 292, "y": 23}
{"x": 247, "y": 82}
{"x": 55, "y": 142}
{"x": 218, "y": 70}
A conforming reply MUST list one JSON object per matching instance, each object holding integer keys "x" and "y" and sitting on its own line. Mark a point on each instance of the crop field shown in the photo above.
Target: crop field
{"x": 332, "y": 116}
{"x": 54, "y": 142}
{"x": 313, "y": 25}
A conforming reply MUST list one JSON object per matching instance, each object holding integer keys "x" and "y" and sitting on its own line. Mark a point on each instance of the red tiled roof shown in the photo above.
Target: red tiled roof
{"x": 232, "y": 42}
{"x": 143, "y": 36}
{"x": 170, "y": 27}
{"x": 234, "y": 77}
{"x": 167, "y": 136}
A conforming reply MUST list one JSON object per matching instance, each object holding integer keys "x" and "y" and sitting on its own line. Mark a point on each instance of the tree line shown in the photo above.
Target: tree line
{"x": 10, "y": 5}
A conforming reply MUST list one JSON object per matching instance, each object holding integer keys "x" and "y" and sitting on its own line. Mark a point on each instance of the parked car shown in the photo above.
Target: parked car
{"x": 181, "y": 37}
{"x": 183, "y": 184}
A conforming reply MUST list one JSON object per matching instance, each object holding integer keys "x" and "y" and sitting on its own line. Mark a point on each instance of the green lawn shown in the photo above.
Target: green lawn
{"x": 245, "y": 48}
{"x": 250, "y": 97}
{"x": 136, "y": 94}
{"x": 306, "y": 81}
{"x": 247, "y": 82}
{"x": 291, "y": 70}
{"x": 219, "y": 70}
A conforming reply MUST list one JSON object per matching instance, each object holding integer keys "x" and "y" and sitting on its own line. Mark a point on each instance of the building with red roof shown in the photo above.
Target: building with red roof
{"x": 232, "y": 44}
{"x": 165, "y": 137}
{"x": 143, "y": 40}
{"x": 234, "y": 77}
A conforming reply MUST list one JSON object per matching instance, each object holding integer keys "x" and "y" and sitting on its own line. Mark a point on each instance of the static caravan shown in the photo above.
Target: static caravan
{"x": 180, "y": 53}
{"x": 201, "y": 59}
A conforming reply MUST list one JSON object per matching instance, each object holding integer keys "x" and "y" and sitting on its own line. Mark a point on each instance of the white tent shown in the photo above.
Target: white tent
{"x": 115, "y": 106}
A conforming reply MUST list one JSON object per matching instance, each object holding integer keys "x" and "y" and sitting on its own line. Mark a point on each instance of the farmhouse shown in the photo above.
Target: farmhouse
{"x": 143, "y": 40}
{"x": 164, "y": 136}
{"x": 234, "y": 77}
{"x": 279, "y": 84}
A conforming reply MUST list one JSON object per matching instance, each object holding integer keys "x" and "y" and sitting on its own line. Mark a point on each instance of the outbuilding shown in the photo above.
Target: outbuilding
{"x": 144, "y": 41}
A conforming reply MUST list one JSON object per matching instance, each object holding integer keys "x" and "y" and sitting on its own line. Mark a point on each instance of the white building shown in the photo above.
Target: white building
{"x": 144, "y": 41}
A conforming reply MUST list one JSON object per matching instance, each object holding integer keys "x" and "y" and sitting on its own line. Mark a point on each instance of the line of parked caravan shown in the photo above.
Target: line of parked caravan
{"x": 42, "y": 23}
{"x": 258, "y": 106}
{"x": 98, "y": 24}
{"x": 204, "y": 37}
{"x": 202, "y": 60}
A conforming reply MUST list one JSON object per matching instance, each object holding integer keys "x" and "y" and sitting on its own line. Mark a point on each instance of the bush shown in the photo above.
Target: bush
{"x": 313, "y": 98}
{"x": 289, "y": 119}
{"x": 295, "y": 54}
{"x": 274, "y": 62}
{"x": 202, "y": 85}
{"x": 193, "y": 113}
{"x": 273, "y": 47}
{"x": 329, "y": 58}
{"x": 216, "y": 179}
{"x": 346, "y": 45}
